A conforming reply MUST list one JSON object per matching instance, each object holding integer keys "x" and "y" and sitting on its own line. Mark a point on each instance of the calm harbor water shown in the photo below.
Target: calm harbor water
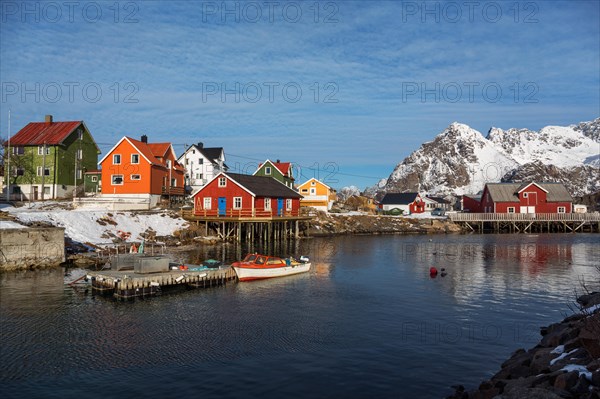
{"x": 367, "y": 321}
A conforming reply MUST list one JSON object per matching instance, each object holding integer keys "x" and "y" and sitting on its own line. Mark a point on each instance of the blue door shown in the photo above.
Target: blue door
{"x": 222, "y": 206}
{"x": 280, "y": 206}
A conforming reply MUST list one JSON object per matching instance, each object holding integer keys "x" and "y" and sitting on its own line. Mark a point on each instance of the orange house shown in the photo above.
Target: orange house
{"x": 142, "y": 171}
{"x": 316, "y": 194}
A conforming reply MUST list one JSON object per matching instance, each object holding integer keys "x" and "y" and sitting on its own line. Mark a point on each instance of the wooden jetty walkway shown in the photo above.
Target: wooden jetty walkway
{"x": 127, "y": 284}
{"x": 528, "y": 222}
{"x": 240, "y": 225}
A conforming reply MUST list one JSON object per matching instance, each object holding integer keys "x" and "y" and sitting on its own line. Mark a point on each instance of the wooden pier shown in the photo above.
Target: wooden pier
{"x": 247, "y": 227}
{"x": 128, "y": 284}
{"x": 528, "y": 222}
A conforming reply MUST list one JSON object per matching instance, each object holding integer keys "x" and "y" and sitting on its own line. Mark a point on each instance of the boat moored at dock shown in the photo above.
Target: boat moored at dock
{"x": 257, "y": 267}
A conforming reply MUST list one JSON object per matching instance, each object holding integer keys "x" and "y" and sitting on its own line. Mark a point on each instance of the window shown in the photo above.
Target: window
{"x": 20, "y": 172}
{"x": 80, "y": 134}
{"x": 288, "y": 204}
{"x": 267, "y": 204}
{"x": 135, "y": 177}
{"x": 173, "y": 182}
{"x": 267, "y": 170}
{"x": 511, "y": 209}
{"x": 525, "y": 194}
{"x": 18, "y": 150}
{"x": 222, "y": 181}
{"x": 117, "y": 159}
{"x": 79, "y": 174}
{"x": 305, "y": 190}
{"x": 207, "y": 203}
{"x": 561, "y": 209}
{"x": 41, "y": 150}
{"x": 169, "y": 163}
{"x": 117, "y": 180}
{"x": 80, "y": 154}
{"x": 135, "y": 158}
{"x": 198, "y": 175}
{"x": 94, "y": 179}
{"x": 200, "y": 161}
{"x": 312, "y": 183}
{"x": 46, "y": 171}
{"x": 237, "y": 202}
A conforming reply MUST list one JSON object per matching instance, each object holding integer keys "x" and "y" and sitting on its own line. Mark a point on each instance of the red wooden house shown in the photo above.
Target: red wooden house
{"x": 237, "y": 195}
{"x": 526, "y": 198}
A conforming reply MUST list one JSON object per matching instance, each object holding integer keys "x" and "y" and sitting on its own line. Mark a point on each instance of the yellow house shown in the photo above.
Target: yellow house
{"x": 317, "y": 195}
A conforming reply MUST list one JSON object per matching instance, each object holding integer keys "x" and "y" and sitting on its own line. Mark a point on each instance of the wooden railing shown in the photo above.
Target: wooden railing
{"x": 525, "y": 217}
{"x": 241, "y": 213}
{"x": 172, "y": 190}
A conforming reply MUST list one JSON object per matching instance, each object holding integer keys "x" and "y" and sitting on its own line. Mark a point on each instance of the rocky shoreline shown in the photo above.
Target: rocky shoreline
{"x": 565, "y": 364}
{"x": 325, "y": 224}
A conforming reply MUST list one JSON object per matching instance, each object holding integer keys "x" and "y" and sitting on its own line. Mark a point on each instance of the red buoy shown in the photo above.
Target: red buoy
{"x": 433, "y": 271}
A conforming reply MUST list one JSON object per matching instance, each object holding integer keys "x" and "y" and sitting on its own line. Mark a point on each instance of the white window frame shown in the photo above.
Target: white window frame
{"x": 112, "y": 180}
{"x": 80, "y": 154}
{"x": 41, "y": 150}
{"x": 94, "y": 179}
{"x": 525, "y": 194}
{"x": 288, "y": 204}
{"x": 173, "y": 182}
{"x": 267, "y": 170}
{"x": 79, "y": 174}
{"x": 138, "y": 159}
{"x": 222, "y": 182}
{"x": 208, "y": 203}
{"x": 235, "y": 203}
{"x": 510, "y": 209}
{"x": 564, "y": 209}
{"x": 115, "y": 159}
{"x": 268, "y": 204}
{"x": 133, "y": 177}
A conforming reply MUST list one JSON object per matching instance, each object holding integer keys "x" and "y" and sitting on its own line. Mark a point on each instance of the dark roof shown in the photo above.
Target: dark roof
{"x": 508, "y": 192}
{"x": 212, "y": 153}
{"x": 264, "y": 186}
{"x": 398, "y": 198}
{"x": 38, "y": 133}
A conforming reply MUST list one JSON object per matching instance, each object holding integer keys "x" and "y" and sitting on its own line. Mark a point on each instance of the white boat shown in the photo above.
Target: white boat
{"x": 256, "y": 267}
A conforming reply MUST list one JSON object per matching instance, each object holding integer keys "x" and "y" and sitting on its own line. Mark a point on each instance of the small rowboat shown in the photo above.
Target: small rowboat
{"x": 256, "y": 267}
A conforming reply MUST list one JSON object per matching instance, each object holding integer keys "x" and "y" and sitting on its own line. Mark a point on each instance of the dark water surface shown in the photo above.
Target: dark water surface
{"x": 367, "y": 321}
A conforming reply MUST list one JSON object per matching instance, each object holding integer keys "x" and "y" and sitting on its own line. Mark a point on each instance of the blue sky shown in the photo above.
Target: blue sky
{"x": 345, "y": 90}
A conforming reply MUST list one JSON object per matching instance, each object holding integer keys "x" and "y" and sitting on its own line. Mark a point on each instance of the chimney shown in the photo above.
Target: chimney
{"x": 144, "y": 139}
{"x": 200, "y": 145}
{"x": 278, "y": 161}
{"x": 48, "y": 119}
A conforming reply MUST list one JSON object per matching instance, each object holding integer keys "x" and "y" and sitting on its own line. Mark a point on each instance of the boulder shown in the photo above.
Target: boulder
{"x": 566, "y": 381}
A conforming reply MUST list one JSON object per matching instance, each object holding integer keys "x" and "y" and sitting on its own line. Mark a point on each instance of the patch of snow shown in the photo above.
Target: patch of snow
{"x": 592, "y": 309}
{"x": 562, "y": 356}
{"x": 82, "y": 224}
{"x": 8, "y": 224}
{"x": 581, "y": 369}
{"x": 558, "y": 350}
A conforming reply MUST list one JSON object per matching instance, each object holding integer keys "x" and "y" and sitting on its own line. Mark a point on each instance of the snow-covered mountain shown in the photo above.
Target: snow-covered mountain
{"x": 460, "y": 160}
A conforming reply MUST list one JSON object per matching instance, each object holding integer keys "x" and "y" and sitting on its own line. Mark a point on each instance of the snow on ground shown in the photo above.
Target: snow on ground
{"x": 562, "y": 356}
{"x": 82, "y": 225}
{"x": 7, "y": 224}
{"x": 579, "y": 368}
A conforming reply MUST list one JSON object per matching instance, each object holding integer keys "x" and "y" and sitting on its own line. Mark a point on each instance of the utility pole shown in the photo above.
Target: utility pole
{"x": 8, "y": 162}
{"x": 43, "y": 169}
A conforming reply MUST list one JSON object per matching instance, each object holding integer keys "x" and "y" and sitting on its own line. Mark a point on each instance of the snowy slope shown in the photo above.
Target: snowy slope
{"x": 99, "y": 227}
{"x": 460, "y": 160}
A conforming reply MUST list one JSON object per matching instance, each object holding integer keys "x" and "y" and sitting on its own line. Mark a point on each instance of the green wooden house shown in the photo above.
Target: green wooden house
{"x": 48, "y": 160}
{"x": 281, "y": 171}
{"x": 92, "y": 181}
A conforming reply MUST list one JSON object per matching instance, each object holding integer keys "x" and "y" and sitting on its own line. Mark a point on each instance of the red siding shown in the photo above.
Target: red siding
{"x": 471, "y": 205}
{"x": 535, "y": 197}
{"x": 231, "y": 190}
